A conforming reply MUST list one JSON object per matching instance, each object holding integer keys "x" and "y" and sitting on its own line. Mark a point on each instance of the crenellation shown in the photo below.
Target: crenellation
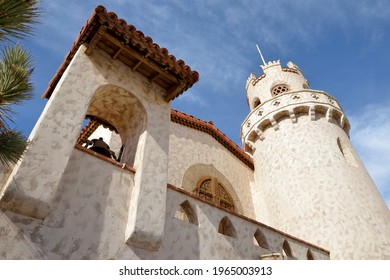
{"x": 288, "y": 105}
{"x": 274, "y": 76}
{"x": 251, "y": 78}
{"x": 258, "y": 79}
{"x": 245, "y": 230}
{"x": 275, "y": 63}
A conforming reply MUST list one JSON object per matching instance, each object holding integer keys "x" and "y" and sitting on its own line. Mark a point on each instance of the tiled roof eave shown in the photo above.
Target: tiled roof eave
{"x": 108, "y": 23}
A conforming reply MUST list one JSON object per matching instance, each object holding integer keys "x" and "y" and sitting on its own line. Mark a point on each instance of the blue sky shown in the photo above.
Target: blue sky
{"x": 342, "y": 47}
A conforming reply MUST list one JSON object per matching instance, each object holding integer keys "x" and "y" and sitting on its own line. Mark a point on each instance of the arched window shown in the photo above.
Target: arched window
{"x": 260, "y": 239}
{"x": 186, "y": 213}
{"x": 256, "y": 102}
{"x": 210, "y": 189}
{"x": 226, "y": 227}
{"x": 279, "y": 89}
{"x": 287, "y": 250}
{"x": 309, "y": 255}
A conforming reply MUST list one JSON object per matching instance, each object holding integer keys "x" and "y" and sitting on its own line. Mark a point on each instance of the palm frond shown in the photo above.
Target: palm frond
{"x": 17, "y": 18}
{"x": 15, "y": 74}
{"x": 6, "y": 114}
{"x": 12, "y": 146}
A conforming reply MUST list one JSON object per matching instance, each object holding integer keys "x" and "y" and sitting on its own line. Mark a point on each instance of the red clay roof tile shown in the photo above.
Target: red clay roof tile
{"x": 129, "y": 36}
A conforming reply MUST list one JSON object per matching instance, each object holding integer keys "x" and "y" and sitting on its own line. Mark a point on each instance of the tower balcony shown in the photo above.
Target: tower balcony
{"x": 292, "y": 105}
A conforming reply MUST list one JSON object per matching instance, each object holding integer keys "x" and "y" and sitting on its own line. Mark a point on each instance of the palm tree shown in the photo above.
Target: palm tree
{"x": 16, "y": 20}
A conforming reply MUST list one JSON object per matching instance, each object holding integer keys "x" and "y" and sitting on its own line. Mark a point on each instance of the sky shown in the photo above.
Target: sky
{"x": 342, "y": 47}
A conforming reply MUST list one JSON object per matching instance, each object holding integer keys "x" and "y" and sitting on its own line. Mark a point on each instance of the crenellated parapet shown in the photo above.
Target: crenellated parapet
{"x": 290, "y": 105}
{"x": 274, "y": 81}
{"x": 204, "y": 220}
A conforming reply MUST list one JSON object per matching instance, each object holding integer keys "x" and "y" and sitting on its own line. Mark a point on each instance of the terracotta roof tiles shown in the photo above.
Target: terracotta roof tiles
{"x": 106, "y": 29}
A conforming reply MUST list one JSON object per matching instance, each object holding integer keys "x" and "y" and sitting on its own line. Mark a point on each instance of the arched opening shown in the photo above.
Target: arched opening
{"x": 280, "y": 116}
{"x": 256, "y": 102}
{"x": 264, "y": 125}
{"x": 320, "y": 111}
{"x": 197, "y": 173}
{"x": 186, "y": 213}
{"x": 287, "y": 250}
{"x": 119, "y": 118}
{"x": 211, "y": 190}
{"x": 309, "y": 255}
{"x": 260, "y": 240}
{"x": 252, "y": 136}
{"x": 301, "y": 111}
{"x": 226, "y": 227}
{"x": 336, "y": 116}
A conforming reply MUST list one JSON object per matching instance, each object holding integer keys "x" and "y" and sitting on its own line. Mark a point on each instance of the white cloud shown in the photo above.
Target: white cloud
{"x": 370, "y": 134}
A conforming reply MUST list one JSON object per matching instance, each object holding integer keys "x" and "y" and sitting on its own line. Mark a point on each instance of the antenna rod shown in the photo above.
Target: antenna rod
{"x": 262, "y": 58}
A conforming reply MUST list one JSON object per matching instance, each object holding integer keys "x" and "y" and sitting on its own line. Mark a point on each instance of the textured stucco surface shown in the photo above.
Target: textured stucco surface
{"x": 124, "y": 98}
{"x": 314, "y": 193}
{"x": 189, "y": 148}
{"x": 51, "y": 142}
{"x": 89, "y": 217}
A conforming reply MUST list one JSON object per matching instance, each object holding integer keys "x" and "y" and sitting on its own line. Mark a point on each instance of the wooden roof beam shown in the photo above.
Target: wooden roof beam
{"x": 174, "y": 91}
{"x": 138, "y": 64}
{"x": 154, "y": 76}
{"x": 141, "y": 58}
{"x": 96, "y": 38}
{"x": 117, "y": 53}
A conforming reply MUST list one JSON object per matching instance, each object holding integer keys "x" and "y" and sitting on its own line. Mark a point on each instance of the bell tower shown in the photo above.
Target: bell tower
{"x": 312, "y": 182}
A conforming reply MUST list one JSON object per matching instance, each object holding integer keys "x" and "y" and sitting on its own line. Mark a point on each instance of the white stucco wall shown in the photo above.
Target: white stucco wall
{"x": 189, "y": 147}
{"x": 89, "y": 216}
{"x": 318, "y": 194}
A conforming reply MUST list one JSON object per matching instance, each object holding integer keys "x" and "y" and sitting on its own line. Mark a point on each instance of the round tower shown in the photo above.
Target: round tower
{"x": 313, "y": 183}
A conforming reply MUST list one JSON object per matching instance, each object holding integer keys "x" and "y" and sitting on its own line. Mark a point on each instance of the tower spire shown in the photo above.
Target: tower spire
{"x": 261, "y": 55}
